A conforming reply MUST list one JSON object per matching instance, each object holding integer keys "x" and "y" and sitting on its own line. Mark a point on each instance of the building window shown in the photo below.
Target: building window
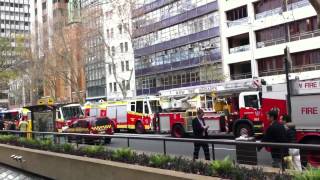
{"x": 120, "y": 28}
{"x": 237, "y": 13}
{"x": 113, "y": 51}
{"x": 121, "y": 47}
{"x": 108, "y": 33}
{"x": 44, "y": 5}
{"x": 124, "y": 84}
{"x": 110, "y": 68}
{"x": 122, "y": 66}
{"x": 126, "y": 47}
{"x": 110, "y": 87}
{"x": 115, "y": 87}
{"x": 111, "y": 33}
{"x": 128, "y": 85}
{"x": 127, "y": 65}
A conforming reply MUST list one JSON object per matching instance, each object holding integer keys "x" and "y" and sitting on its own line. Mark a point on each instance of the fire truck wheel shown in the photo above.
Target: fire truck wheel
{"x": 243, "y": 129}
{"x": 177, "y": 131}
{"x": 139, "y": 128}
{"x": 309, "y": 157}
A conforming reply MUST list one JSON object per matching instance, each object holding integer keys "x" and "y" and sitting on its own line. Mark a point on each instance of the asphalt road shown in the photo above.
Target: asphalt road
{"x": 185, "y": 149}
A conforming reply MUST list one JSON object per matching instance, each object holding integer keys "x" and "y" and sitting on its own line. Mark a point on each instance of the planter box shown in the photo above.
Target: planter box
{"x": 70, "y": 167}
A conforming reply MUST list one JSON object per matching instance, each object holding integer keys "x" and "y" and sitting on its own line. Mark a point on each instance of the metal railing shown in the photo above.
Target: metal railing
{"x": 241, "y": 76}
{"x": 240, "y": 49}
{"x": 305, "y": 35}
{"x": 237, "y": 22}
{"x": 270, "y": 42}
{"x": 298, "y": 4}
{"x": 269, "y": 13}
{"x": 311, "y": 67}
{"x": 242, "y": 150}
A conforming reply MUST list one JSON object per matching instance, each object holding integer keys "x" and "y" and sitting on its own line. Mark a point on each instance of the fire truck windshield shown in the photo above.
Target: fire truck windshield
{"x": 71, "y": 112}
{"x": 155, "y": 106}
{"x": 10, "y": 116}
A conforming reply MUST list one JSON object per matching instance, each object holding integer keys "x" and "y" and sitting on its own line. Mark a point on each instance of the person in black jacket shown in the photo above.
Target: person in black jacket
{"x": 200, "y": 130}
{"x": 276, "y": 133}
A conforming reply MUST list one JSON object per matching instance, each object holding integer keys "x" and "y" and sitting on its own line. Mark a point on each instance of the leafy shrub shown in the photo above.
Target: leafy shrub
{"x": 123, "y": 155}
{"x": 30, "y": 143}
{"x": 142, "y": 159}
{"x": 8, "y": 138}
{"x": 93, "y": 151}
{"x": 46, "y": 144}
{"x": 222, "y": 167}
{"x": 67, "y": 148}
{"x": 308, "y": 174}
{"x": 159, "y": 160}
{"x": 242, "y": 173}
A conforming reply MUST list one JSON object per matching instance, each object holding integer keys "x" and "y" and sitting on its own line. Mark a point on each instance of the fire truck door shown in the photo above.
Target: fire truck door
{"x": 122, "y": 114}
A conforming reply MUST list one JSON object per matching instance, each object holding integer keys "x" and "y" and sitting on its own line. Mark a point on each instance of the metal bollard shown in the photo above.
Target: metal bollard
{"x": 128, "y": 142}
{"x": 213, "y": 155}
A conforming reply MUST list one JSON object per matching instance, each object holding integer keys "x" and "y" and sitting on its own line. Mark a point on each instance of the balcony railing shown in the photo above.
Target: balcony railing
{"x": 297, "y": 5}
{"x": 305, "y": 35}
{"x": 240, "y": 49}
{"x": 310, "y": 67}
{"x": 241, "y": 76}
{"x": 238, "y": 22}
{"x": 270, "y": 42}
{"x": 269, "y": 13}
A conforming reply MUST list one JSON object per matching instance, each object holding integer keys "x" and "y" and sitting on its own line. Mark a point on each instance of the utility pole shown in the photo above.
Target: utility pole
{"x": 287, "y": 58}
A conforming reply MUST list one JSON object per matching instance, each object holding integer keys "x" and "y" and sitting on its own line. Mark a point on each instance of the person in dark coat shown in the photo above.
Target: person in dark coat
{"x": 276, "y": 133}
{"x": 200, "y": 131}
{"x": 1, "y": 124}
{"x": 292, "y": 138}
{"x": 291, "y": 129}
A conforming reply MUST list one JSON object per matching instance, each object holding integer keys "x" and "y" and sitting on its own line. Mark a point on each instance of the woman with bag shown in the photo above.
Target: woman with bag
{"x": 291, "y": 135}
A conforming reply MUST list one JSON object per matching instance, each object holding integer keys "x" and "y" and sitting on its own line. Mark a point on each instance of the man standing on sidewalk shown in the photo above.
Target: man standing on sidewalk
{"x": 276, "y": 133}
{"x": 200, "y": 131}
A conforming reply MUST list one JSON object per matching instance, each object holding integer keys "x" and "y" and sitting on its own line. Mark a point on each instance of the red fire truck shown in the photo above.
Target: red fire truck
{"x": 249, "y": 108}
{"x": 133, "y": 115}
{"x": 228, "y": 107}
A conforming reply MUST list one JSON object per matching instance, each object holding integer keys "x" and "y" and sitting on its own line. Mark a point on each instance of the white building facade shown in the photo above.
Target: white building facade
{"x": 119, "y": 57}
{"x": 253, "y": 38}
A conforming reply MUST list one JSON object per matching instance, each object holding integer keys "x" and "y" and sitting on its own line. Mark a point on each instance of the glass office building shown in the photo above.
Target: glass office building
{"x": 176, "y": 44}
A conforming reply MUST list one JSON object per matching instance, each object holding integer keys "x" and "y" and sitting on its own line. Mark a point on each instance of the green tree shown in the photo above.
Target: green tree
{"x": 12, "y": 58}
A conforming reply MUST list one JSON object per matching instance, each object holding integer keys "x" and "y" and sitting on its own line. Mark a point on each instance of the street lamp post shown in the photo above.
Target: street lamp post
{"x": 287, "y": 57}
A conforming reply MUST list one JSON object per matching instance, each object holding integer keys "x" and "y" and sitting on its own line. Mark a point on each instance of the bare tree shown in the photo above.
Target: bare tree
{"x": 65, "y": 57}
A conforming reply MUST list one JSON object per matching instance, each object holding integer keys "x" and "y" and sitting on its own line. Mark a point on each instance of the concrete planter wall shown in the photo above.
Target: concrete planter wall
{"x": 70, "y": 167}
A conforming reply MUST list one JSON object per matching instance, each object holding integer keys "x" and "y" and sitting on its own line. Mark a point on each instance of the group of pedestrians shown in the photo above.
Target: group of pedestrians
{"x": 282, "y": 132}
{"x": 277, "y": 132}
{"x": 23, "y": 125}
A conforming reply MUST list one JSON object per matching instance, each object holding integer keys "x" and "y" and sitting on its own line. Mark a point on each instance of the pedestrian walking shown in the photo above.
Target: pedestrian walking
{"x": 291, "y": 135}
{"x": 276, "y": 133}
{"x": 200, "y": 131}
